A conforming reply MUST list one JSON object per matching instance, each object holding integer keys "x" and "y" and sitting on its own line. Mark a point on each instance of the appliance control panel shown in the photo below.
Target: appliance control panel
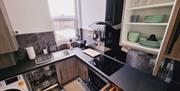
{"x": 10, "y": 81}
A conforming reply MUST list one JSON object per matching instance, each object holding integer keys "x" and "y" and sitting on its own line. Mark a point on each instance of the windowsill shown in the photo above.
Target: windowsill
{"x": 58, "y": 43}
{"x": 64, "y": 18}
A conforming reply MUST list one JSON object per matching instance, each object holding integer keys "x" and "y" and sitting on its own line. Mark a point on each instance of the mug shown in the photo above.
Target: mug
{"x": 133, "y": 36}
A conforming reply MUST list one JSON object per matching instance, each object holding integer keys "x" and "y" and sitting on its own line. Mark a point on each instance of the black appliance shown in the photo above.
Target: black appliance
{"x": 112, "y": 35}
{"x": 95, "y": 81}
{"x": 114, "y": 10}
{"x": 106, "y": 64}
{"x": 111, "y": 40}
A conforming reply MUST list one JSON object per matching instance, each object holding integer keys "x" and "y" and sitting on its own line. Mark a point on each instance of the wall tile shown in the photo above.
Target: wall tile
{"x": 37, "y": 40}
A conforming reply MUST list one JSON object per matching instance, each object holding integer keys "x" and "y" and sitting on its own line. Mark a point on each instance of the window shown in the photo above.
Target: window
{"x": 63, "y": 15}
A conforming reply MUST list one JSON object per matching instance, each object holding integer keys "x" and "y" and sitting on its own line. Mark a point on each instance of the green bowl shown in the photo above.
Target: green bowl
{"x": 152, "y": 44}
{"x": 133, "y": 36}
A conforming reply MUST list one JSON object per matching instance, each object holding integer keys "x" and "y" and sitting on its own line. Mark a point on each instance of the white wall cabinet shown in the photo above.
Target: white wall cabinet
{"x": 92, "y": 11}
{"x": 8, "y": 41}
{"x": 28, "y": 16}
{"x": 144, "y": 8}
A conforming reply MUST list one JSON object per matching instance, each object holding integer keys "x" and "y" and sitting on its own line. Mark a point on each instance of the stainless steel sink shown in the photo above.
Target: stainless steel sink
{"x": 60, "y": 54}
{"x": 53, "y": 56}
{"x": 43, "y": 58}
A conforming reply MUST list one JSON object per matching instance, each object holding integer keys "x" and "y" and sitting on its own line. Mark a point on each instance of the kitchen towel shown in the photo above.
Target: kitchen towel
{"x": 31, "y": 53}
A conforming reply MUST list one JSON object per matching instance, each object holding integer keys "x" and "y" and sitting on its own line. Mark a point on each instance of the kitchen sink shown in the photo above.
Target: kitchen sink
{"x": 53, "y": 56}
{"x": 43, "y": 58}
{"x": 60, "y": 54}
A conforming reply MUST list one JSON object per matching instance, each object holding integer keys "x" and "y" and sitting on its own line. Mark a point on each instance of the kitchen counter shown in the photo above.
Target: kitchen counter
{"x": 127, "y": 78}
{"x": 131, "y": 79}
{"x": 29, "y": 65}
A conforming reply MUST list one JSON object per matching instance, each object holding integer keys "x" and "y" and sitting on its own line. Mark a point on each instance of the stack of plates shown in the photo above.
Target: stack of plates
{"x": 154, "y": 18}
{"x": 152, "y": 44}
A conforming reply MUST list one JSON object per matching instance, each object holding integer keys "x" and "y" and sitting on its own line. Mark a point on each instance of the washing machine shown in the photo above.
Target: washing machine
{"x": 16, "y": 83}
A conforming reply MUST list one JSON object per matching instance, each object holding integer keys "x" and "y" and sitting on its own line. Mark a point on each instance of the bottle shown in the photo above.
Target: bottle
{"x": 45, "y": 51}
{"x": 70, "y": 44}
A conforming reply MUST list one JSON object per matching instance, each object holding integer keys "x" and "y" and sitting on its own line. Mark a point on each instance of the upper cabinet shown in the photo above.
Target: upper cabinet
{"x": 145, "y": 23}
{"x": 28, "y": 16}
{"x": 8, "y": 41}
{"x": 91, "y": 12}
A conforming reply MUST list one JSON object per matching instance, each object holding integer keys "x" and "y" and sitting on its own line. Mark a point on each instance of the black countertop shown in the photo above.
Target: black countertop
{"x": 127, "y": 78}
{"x": 131, "y": 79}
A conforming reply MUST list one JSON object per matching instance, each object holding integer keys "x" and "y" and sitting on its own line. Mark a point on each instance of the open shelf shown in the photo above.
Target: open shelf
{"x": 153, "y": 6}
{"x": 137, "y": 46}
{"x": 151, "y": 24}
{"x": 172, "y": 58}
{"x": 146, "y": 29}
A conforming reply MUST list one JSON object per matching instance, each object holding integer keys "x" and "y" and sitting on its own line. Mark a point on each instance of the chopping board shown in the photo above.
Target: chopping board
{"x": 91, "y": 52}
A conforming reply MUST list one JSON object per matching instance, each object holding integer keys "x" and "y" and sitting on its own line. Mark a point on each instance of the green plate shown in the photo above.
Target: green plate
{"x": 154, "y": 18}
{"x": 152, "y": 44}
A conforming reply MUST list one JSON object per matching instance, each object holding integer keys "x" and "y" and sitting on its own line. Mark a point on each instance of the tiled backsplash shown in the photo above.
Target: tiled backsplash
{"x": 37, "y": 40}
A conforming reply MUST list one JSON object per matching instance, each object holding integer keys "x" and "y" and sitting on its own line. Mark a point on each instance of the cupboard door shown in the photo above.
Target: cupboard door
{"x": 28, "y": 16}
{"x": 67, "y": 70}
{"x": 71, "y": 68}
{"x": 59, "y": 68}
{"x": 8, "y": 41}
{"x": 83, "y": 70}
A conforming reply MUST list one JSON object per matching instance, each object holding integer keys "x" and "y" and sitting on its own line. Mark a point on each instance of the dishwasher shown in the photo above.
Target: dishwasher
{"x": 43, "y": 79}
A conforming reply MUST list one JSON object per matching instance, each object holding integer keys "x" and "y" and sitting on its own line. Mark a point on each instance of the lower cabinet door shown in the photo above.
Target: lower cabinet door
{"x": 83, "y": 71}
{"x": 67, "y": 70}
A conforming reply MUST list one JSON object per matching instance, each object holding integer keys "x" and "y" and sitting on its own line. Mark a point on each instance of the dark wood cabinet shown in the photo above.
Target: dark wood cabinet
{"x": 67, "y": 70}
{"x": 83, "y": 70}
{"x": 70, "y": 68}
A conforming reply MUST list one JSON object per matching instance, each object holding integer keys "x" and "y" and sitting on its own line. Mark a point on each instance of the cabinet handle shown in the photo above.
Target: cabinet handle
{"x": 61, "y": 75}
{"x": 85, "y": 75}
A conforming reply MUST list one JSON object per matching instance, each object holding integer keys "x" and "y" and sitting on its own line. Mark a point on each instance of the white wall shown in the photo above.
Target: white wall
{"x": 91, "y": 11}
{"x": 28, "y": 16}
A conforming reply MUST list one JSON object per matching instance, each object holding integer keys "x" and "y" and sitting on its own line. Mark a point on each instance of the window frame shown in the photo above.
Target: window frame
{"x": 76, "y": 19}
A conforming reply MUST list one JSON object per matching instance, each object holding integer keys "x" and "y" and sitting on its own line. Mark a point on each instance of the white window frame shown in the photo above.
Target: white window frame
{"x": 77, "y": 21}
